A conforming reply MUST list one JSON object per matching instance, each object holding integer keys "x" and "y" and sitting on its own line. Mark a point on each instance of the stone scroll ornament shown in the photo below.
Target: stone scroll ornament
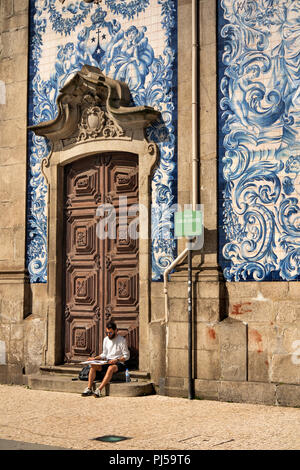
{"x": 104, "y": 35}
{"x": 259, "y": 139}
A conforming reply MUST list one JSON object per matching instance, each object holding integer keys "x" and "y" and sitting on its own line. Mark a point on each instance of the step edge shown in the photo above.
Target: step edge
{"x": 74, "y": 370}
{"x": 121, "y": 389}
{"x": 66, "y": 379}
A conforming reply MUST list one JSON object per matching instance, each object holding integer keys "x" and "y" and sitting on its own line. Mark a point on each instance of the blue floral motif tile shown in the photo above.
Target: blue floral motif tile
{"x": 259, "y": 139}
{"x": 64, "y": 37}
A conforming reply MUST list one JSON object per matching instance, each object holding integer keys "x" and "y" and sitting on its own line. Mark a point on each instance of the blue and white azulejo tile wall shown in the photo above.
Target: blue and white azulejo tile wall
{"x": 259, "y": 139}
{"x": 63, "y": 37}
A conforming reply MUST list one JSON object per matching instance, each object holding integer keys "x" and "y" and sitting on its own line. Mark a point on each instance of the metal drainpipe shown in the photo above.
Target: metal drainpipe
{"x": 195, "y": 157}
{"x": 45, "y": 346}
{"x": 195, "y": 153}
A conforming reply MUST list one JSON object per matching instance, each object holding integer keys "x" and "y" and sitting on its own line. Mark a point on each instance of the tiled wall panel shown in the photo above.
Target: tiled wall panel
{"x": 129, "y": 40}
{"x": 259, "y": 139}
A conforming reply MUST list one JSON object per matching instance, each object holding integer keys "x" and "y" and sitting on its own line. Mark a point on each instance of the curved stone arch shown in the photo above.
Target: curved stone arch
{"x": 94, "y": 117}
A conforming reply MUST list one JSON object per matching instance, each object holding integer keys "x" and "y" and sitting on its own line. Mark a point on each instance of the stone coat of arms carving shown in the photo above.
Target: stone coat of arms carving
{"x": 95, "y": 122}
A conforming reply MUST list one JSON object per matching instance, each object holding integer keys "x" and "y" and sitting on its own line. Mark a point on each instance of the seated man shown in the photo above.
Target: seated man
{"x": 115, "y": 351}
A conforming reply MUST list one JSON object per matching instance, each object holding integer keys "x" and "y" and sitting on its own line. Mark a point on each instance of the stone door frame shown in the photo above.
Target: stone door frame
{"x": 66, "y": 149}
{"x": 100, "y": 275}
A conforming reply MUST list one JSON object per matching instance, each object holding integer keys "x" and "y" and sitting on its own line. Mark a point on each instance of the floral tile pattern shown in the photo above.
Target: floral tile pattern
{"x": 259, "y": 139}
{"x": 129, "y": 40}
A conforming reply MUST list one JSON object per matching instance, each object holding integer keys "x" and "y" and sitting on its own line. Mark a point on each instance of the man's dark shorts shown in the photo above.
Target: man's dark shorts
{"x": 100, "y": 373}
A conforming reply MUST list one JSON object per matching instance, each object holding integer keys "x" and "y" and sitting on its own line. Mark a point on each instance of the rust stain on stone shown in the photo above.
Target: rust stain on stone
{"x": 212, "y": 333}
{"x": 256, "y": 336}
{"x": 239, "y": 309}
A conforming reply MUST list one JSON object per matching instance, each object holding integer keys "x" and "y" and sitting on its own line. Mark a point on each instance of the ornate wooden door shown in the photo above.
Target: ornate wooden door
{"x": 101, "y": 274}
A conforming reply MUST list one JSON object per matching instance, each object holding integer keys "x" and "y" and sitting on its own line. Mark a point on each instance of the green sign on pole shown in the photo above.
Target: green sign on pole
{"x": 188, "y": 223}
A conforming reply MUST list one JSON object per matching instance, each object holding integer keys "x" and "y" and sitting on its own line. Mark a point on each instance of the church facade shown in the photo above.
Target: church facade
{"x": 115, "y": 115}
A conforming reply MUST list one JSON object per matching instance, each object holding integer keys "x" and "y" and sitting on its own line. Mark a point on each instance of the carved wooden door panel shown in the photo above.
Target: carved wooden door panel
{"x": 101, "y": 273}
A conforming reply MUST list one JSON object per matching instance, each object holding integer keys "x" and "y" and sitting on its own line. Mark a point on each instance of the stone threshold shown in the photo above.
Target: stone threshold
{"x": 71, "y": 384}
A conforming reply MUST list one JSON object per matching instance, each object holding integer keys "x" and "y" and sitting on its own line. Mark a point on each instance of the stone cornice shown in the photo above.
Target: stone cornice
{"x": 10, "y": 275}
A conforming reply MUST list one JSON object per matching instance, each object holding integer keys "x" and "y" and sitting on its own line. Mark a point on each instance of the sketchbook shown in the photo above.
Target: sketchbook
{"x": 95, "y": 362}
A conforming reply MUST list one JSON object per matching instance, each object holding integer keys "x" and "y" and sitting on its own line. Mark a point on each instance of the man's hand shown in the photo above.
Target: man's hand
{"x": 113, "y": 361}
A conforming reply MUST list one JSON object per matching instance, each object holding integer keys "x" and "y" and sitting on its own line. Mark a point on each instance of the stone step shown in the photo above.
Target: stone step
{"x": 64, "y": 383}
{"x": 74, "y": 369}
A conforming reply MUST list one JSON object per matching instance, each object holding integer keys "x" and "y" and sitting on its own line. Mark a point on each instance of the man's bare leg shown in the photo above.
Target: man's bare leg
{"x": 92, "y": 375}
{"x": 107, "y": 378}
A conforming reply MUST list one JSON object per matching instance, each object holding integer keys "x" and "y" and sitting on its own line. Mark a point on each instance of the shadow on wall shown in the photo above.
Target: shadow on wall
{"x": 160, "y": 135}
{"x": 211, "y": 247}
{"x": 222, "y": 298}
{"x": 27, "y": 299}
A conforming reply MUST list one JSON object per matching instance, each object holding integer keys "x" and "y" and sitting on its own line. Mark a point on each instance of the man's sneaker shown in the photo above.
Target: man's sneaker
{"x": 87, "y": 392}
{"x": 97, "y": 393}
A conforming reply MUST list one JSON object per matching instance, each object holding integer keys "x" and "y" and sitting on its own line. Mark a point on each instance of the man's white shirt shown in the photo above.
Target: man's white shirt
{"x": 115, "y": 348}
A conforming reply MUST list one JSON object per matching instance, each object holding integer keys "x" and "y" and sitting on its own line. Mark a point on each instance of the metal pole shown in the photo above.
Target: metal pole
{"x": 190, "y": 326}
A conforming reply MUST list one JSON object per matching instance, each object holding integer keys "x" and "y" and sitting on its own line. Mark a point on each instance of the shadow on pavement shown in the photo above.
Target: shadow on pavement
{"x": 17, "y": 445}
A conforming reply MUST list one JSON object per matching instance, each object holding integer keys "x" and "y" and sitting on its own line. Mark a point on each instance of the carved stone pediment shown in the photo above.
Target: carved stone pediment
{"x": 93, "y": 106}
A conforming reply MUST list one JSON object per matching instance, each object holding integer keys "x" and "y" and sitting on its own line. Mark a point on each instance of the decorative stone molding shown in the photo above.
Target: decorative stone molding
{"x": 96, "y": 123}
{"x": 93, "y": 106}
{"x": 95, "y": 117}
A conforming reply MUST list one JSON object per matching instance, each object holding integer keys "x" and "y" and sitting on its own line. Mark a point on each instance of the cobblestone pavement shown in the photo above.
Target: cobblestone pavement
{"x": 153, "y": 422}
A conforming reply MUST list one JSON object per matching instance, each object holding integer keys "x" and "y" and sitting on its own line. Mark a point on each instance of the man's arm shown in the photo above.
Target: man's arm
{"x": 96, "y": 358}
{"x": 125, "y": 353}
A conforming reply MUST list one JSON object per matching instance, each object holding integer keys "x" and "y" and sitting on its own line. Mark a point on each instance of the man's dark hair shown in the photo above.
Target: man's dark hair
{"x": 111, "y": 325}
